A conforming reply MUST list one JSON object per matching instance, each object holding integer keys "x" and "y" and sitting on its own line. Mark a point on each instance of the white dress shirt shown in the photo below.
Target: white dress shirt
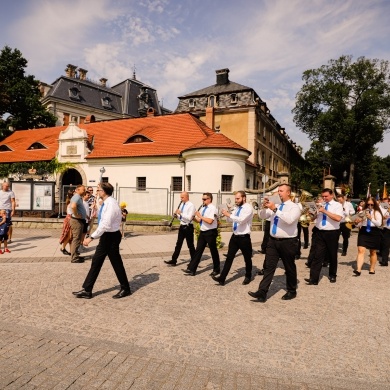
{"x": 187, "y": 213}
{"x": 210, "y": 212}
{"x": 110, "y": 219}
{"x": 330, "y": 224}
{"x": 243, "y": 219}
{"x": 288, "y": 219}
{"x": 386, "y": 217}
{"x": 347, "y": 210}
{"x": 376, "y": 219}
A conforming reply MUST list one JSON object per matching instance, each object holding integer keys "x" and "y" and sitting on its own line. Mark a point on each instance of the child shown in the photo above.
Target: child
{"x": 124, "y": 216}
{"x": 4, "y": 231}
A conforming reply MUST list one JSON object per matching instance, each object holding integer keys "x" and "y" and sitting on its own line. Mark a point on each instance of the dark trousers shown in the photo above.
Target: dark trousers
{"x": 209, "y": 238}
{"x": 236, "y": 243}
{"x": 280, "y": 249}
{"x": 267, "y": 228}
{"x": 76, "y": 226}
{"x": 385, "y": 245}
{"x": 327, "y": 243}
{"x": 185, "y": 232}
{"x": 346, "y": 233}
{"x": 108, "y": 246}
{"x": 305, "y": 230}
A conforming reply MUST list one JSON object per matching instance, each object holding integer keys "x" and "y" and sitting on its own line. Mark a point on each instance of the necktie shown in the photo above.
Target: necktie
{"x": 324, "y": 216}
{"x": 235, "y": 223}
{"x": 276, "y": 219}
{"x": 204, "y": 210}
{"x": 368, "y": 229}
{"x": 388, "y": 221}
{"x": 182, "y": 208}
{"x": 100, "y": 213}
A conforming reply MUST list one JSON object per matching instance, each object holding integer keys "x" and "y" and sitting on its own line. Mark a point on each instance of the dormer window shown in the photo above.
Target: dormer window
{"x": 212, "y": 101}
{"x": 5, "y": 148}
{"x": 138, "y": 138}
{"x": 233, "y": 98}
{"x": 191, "y": 103}
{"x": 74, "y": 93}
{"x": 106, "y": 102}
{"x": 36, "y": 145}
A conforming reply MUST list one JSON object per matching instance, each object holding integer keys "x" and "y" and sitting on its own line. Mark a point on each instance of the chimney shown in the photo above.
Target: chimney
{"x": 222, "y": 76}
{"x": 210, "y": 117}
{"x": 103, "y": 82}
{"x": 83, "y": 73}
{"x": 70, "y": 70}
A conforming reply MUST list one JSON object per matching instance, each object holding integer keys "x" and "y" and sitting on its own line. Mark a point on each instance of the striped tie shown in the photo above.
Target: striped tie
{"x": 324, "y": 216}
{"x": 276, "y": 220}
{"x": 235, "y": 223}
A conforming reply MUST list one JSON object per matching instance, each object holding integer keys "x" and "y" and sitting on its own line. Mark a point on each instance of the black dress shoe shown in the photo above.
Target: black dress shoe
{"x": 260, "y": 272}
{"x": 215, "y": 273}
{"x": 261, "y": 297}
{"x": 188, "y": 272}
{"x": 246, "y": 281}
{"x": 310, "y": 282}
{"x": 383, "y": 264}
{"x": 65, "y": 252}
{"x": 171, "y": 262}
{"x": 289, "y": 295}
{"x": 78, "y": 260}
{"x": 344, "y": 253}
{"x": 121, "y": 294}
{"x": 356, "y": 272}
{"x": 82, "y": 294}
{"x": 307, "y": 264}
{"x": 324, "y": 265}
{"x": 219, "y": 280}
{"x": 332, "y": 279}
{"x": 372, "y": 272}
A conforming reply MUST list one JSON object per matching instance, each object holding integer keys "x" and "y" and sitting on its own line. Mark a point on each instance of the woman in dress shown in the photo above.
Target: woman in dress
{"x": 370, "y": 234}
{"x": 66, "y": 235}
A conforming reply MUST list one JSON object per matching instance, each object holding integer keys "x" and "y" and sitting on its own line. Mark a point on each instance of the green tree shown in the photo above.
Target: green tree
{"x": 345, "y": 106}
{"x": 19, "y": 96}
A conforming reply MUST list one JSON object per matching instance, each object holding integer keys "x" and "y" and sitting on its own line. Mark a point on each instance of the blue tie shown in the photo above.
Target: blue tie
{"x": 182, "y": 208}
{"x": 235, "y": 223}
{"x": 276, "y": 220}
{"x": 368, "y": 228}
{"x": 324, "y": 216}
{"x": 204, "y": 210}
{"x": 100, "y": 213}
{"x": 388, "y": 221}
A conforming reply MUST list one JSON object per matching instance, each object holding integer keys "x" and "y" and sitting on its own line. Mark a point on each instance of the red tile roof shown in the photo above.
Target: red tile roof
{"x": 170, "y": 135}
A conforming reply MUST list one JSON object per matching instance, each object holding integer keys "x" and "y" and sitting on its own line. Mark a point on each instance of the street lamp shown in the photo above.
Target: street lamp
{"x": 102, "y": 170}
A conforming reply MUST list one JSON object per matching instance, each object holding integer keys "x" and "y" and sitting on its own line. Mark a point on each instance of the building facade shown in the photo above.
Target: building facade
{"x": 239, "y": 113}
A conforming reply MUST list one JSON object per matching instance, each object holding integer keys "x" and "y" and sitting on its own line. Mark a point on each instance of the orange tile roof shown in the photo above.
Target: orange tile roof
{"x": 171, "y": 134}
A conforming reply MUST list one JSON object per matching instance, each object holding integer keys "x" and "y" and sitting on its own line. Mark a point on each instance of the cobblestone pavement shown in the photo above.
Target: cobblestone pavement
{"x": 182, "y": 332}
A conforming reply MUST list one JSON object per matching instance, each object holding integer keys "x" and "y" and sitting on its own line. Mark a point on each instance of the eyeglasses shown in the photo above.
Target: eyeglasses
{"x": 370, "y": 204}
{"x": 205, "y": 198}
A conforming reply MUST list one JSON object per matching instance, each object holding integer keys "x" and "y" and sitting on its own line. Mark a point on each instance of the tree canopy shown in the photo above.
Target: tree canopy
{"x": 19, "y": 96}
{"x": 345, "y": 107}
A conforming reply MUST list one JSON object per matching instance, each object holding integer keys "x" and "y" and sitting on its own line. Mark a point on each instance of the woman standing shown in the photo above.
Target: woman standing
{"x": 66, "y": 235}
{"x": 369, "y": 234}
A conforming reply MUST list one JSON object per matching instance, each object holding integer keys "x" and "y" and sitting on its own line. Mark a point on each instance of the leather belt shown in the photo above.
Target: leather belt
{"x": 283, "y": 238}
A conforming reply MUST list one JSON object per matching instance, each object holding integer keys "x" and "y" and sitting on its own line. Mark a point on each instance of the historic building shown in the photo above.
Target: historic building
{"x": 141, "y": 157}
{"x": 239, "y": 113}
{"x": 74, "y": 97}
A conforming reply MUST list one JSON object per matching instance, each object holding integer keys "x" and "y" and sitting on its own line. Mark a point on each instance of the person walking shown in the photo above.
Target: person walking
{"x": 185, "y": 214}
{"x": 385, "y": 242}
{"x": 328, "y": 219}
{"x": 7, "y": 203}
{"x": 76, "y": 222}
{"x": 208, "y": 221}
{"x": 345, "y": 232}
{"x": 241, "y": 217}
{"x": 108, "y": 232}
{"x": 282, "y": 244}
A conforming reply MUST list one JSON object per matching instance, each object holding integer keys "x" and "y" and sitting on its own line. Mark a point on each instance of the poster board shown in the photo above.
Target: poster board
{"x": 31, "y": 195}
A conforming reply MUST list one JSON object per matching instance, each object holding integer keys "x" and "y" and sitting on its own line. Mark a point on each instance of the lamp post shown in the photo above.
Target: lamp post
{"x": 102, "y": 171}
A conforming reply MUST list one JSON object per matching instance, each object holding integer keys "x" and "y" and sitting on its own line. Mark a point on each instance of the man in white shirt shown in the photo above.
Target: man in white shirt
{"x": 328, "y": 220}
{"x": 241, "y": 218}
{"x": 208, "y": 221}
{"x": 348, "y": 210}
{"x": 109, "y": 223}
{"x": 185, "y": 214}
{"x": 282, "y": 244}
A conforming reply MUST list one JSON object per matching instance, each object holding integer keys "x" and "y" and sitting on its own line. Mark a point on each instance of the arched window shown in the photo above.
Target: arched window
{"x": 137, "y": 138}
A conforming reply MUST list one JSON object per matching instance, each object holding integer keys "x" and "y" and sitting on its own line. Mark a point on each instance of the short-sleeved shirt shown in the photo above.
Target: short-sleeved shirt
{"x": 76, "y": 198}
{"x": 5, "y": 199}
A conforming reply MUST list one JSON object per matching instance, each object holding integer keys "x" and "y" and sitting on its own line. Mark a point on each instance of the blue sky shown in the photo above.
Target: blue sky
{"x": 176, "y": 45}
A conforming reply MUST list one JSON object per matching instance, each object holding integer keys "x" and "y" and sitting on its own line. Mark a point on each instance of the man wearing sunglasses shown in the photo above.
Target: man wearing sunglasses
{"x": 207, "y": 218}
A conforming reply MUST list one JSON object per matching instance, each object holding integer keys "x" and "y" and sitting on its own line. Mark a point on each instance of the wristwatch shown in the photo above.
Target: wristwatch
{"x": 275, "y": 210}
